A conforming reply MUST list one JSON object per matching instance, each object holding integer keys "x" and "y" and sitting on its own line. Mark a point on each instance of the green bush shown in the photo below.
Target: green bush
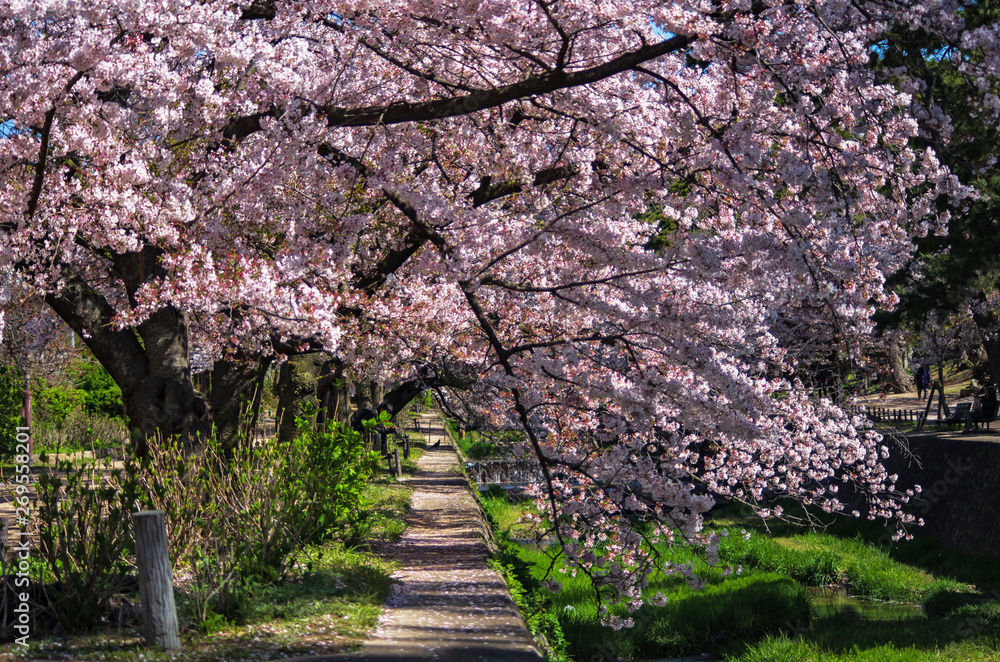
{"x": 11, "y": 400}
{"x": 100, "y": 395}
{"x": 246, "y": 516}
{"x": 84, "y": 528}
{"x": 93, "y": 393}
{"x": 55, "y": 404}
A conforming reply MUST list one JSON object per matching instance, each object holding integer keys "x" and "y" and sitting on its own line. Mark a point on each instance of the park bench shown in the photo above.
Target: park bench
{"x": 958, "y": 415}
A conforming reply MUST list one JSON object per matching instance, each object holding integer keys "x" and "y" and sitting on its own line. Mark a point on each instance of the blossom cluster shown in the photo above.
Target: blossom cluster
{"x": 627, "y": 220}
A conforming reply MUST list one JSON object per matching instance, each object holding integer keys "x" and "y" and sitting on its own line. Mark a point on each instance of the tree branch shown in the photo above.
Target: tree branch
{"x": 425, "y": 111}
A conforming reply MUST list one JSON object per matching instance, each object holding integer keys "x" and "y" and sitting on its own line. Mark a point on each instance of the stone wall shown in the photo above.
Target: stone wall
{"x": 960, "y": 501}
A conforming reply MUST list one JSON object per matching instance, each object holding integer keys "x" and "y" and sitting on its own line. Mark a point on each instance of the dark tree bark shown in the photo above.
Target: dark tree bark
{"x": 899, "y": 377}
{"x": 989, "y": 331}
{"x": 333, "y": 390}
{"x": 296, "y": 386}
{"x": 369, "y": 394}
{"x": 237, "y": 388}
{"x": 150, "y": 364}
{"x": 402, "y": 394}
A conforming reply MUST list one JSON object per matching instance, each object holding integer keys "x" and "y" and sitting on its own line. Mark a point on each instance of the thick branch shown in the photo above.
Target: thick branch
{"x": 43, "y": 151}
{"x": 425, "y": 111}
{"x": 488, "y": 191}
{"x": 90, "y": 315}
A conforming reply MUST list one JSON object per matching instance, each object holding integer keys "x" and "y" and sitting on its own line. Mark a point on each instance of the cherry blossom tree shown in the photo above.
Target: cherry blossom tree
{"x": 609, "y": 213}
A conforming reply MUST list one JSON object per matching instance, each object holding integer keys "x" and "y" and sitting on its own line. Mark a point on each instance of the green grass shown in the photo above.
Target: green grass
{"x": 759, "y": 615}
{"x": 384, "y": 517}
{"x": 738, "y": 608}
{"x": 745, "y": 607}
{"x": 328, "y": 605}
{"x": 817, "y": 559}
{"x": 858, "y": 552}
{"x": 785, "y": 649}
{"x": 326, "y": 608}
{"x": 472, "y": 445}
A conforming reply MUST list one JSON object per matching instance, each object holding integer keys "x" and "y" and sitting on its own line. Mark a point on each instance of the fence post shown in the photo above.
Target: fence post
{"x": 399, "y": 467}
{"x": 156, "y": 588}
{"x": 406, "y": 447}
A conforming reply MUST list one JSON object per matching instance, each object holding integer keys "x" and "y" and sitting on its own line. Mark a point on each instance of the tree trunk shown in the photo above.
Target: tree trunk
{"x": 989, "y": 331}
{"x": 165, "y": 401}
{"x": 237, "y": 388}
{"x": 334, "y": 392}
{"x": 899, "y": 377}
{"x": 370, "y": 394}
{"x": 150, "y": 364}
{"x": 296, "y": 386}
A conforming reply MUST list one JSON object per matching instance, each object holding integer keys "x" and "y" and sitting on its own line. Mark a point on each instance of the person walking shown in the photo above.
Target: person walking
{"x": 923, "y": 379}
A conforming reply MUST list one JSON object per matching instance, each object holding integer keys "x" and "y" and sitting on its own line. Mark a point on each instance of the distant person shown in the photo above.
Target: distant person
{"x": 990, "y": 399}
{"x": 923, "y": 379}
{"x": 984, "y": 408}
{"x": 359, "y": 418}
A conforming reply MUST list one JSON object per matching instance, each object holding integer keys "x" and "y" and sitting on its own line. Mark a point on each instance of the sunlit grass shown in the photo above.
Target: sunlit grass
{"x": 751, "y": 618}
{"x": 328, "y": 607}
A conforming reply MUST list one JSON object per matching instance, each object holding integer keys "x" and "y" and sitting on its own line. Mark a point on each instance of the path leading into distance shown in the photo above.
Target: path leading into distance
{"x": 448, "y": 606}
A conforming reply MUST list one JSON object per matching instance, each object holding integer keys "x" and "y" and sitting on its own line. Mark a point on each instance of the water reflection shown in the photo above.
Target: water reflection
{"x": 829, "y": 601}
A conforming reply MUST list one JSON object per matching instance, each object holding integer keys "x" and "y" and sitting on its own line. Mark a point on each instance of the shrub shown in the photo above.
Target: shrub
{"x": 100, "y": 395}
{"x": 80, "y": 430}
{"x": 246, "y": 516}
{"x": 55, "y": 404}
{"x": 84, "y": 528}
{"x": 11, "y": 399}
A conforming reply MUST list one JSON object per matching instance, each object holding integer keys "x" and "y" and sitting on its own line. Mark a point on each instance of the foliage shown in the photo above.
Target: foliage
{"x": 54, "y": 404}
{"x": 383, "y": 516}
{"x": 11, "y": 400}
{"x": 79, "y": 431}
{"x": 959, "y": 625}
{"x": 728, "y": 609}
{"x": 93, "y": 393}
{"x": 535, "y": 604}
{"x": 329, "y": 606}
{"x": 536, "y": 608}
{"x": 84, "y": 519}
{"x": 472, "y": 445}
{"x": 245, "y": 517}
{"x": 99, "y": 395}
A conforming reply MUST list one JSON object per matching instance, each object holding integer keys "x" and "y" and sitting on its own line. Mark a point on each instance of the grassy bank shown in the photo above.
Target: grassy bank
{"x": 764, "y": 613}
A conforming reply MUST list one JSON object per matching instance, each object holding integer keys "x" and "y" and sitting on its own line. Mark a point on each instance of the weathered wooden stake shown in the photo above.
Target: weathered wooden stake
{"x": 399, "y": 467}
{"x": 156, "y": 588}
{"x": 406, "y": 447}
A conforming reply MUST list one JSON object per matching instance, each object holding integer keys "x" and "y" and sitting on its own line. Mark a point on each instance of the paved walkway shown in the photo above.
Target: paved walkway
{"x": 448, "y": 605}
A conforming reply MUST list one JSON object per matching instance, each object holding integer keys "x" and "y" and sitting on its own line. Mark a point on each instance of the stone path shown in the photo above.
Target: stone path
{"x": 449, "y": 606}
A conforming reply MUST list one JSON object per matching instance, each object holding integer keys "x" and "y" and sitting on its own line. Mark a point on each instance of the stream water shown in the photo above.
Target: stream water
{"x": 829, "y": 601}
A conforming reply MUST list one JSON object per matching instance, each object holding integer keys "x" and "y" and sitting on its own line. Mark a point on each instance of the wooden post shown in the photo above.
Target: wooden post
{"x": 399, "y": 467}
{"x": 156, "y": 588}
{"x": 927, "y": 411}
{"x": 406, "y": 447}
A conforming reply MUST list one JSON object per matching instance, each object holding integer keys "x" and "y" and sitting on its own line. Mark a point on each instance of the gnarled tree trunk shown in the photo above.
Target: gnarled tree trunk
{"x": 899, "y": 377}
{"x": 296, "y": 386}
{"x": 151, "y": 364}
{"x": 237, "y": 388}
